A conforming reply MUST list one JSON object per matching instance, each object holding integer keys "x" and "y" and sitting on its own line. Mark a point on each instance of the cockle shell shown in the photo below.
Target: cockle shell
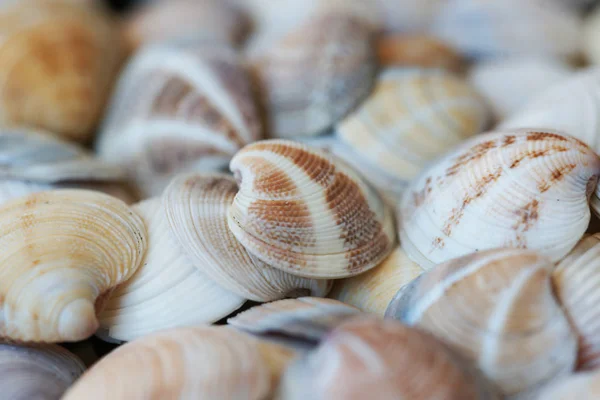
{"x": 187, "y": 363}
{"x": 302, "y": 212}
{"x": 576, "y": 282}
{"x": 57, "y": 66}
{"x": 412, "y": 117}
{"x": 37, "y": 372}
{"x": 372, "y": 358}
{"x": 196, "y": 207}
{"x": 522, "y": 188}
{"x": 581, "y": 386}
{"x": 373, "y": 290}
{"x": 59, "y": 251}
{"x": 167, "y": 291}
{"x": 498, "y": 309}
{"x": 178, "y": 106}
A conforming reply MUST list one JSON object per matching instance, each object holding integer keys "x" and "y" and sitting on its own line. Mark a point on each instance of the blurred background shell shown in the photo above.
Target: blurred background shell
{"x": 580, "y": 386}
{"x": 591, "y": 37}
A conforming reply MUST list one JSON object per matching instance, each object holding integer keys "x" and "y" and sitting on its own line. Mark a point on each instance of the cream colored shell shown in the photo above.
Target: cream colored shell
{"x": 580, "y": 386}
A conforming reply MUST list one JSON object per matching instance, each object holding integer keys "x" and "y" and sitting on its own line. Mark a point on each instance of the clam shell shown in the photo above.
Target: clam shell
{"x": 41, "y": 372}
{"x": 301, "y": 212}
{"x": 178, "y": 106}
{"x": 187, "y": 363}
{"x": 581, "y": 386}
{"x": 197, "y": 206}
{"x": 59, "y": 251}
{"x": 497, "y": 308}
{"x": 372, "y": 358}
{"x": 167, "y": 291}
{"x": 522, "y": 188}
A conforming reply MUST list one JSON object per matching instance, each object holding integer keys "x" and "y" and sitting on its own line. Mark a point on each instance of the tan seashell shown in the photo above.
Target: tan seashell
{"x": 373, "y": 290}
{"x": 179, "y": 106}
{"x": 581, "y": 386}
{"x": 372, "y": 358}
{"x": 522, "y": 188}
{"x": 300, "y": 211}
{"x": 59, "y": 251}
{"x": 412, "y": 117}
{"x": 197, "y": 206}
{"x": 498, "y": 309}
{"x": 187, "y": 363}
{"x": 167, "y": 291}
{"x": 37, "y": 372}
{"x": 57, "y": 66}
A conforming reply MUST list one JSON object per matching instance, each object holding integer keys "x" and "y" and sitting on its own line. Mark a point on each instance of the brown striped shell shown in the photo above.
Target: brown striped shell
{"x": 179, "y": 106}
{"x": 498, "y": 309}
{"x": 303, "y": 212}
{"x": 523, "y": 188}
{"x": 580, "y": 386}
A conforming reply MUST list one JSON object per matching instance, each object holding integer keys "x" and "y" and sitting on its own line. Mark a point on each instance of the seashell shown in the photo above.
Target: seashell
{"x": 178, "y": 107}
{"x": 373, "y": 290}
{"x": 196, "y": 207}
{"x": 392, "y": 144}
{"x": 59, "y": 251}
{"x": 522, "y": 188}
{"x": 581, "y": 386}
{"x": 498, "y": 309}
{"x": 575, "y": 280}
{"x": 372, "y": 358}
{"x": 57, "y": 66}
{"x": 302, "y": 212}
{"x": 509, "y": 84}
{"x": 40, "y": 372}
{"x": 167, "y": 291}
{"x": 187, "y": 363}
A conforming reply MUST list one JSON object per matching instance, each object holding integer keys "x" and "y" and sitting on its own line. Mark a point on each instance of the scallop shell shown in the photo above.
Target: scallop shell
{"x": 581, "y": 386}
{"x": 59, "y": 251}
{"x": 197, "y": 207}
{"x": 373, "y": 290}
{"x": 179, "y": 106}
{"x": 300, "y": 211}
{"x": 498, "y": 309}
{"x": 522, "y": 188}
{"x": 57, "y": 65}
{"x": 372, "y": 358}
{"x": 167, "y": 291}
{"x": 412, "y": 117}
{"x": 187, "y": 363}
{"x": 41, "y": 372}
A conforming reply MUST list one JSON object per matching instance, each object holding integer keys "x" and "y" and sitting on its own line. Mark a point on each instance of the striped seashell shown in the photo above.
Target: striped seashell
{"x": 373, "y": 290}
{"x": 179, "y": 106}
{"x": 372, "y": 358}
{"x": 412, "y": 117}
{"x": 57, "y": 66}
{"x": 197, "y": 207}
{"x": 522, "y": 188}
{"x": 497, "y": 308}
{"x": 167, "y": 291}
{"x": 59, "y": 252}
{"x": 186, "y": 363}
{"x": 301, "y": 211}
{"x": 580, "y": 386}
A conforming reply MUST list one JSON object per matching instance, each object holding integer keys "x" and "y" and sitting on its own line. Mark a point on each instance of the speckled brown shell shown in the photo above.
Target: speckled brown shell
{"x": 300, "y": 211}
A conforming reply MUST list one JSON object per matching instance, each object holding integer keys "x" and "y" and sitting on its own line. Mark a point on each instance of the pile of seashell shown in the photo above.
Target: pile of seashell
{"x": 300, "y": 199}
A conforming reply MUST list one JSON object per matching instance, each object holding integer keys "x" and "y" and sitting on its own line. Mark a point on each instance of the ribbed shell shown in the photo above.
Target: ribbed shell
{"x": 522, "y": 188}
{"x": 196, "y": 206}
{"x": 187, "y": 363}
{"x": 372, "y": 358}
{"x": 581, "y": 386}
{"x": 167, "y": 291}
{"x": 179, "y": 106}
{"x": 59, "y": 251}
{"x": 301, "y": 212}
{"x": 412, "y": 117}
{"x": 498, "y": 309}
{"x": 373, "y": 290}
{"x": 40, "y": 372}
{"x": 57, "y": 65}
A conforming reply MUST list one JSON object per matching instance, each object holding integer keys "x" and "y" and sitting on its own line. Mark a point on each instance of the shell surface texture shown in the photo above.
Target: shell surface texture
{"x": 61, "y": 250}
{"x": 522, "y": 188}
{"x": 300, "y": 210}
{"x": 497, "y": 308}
